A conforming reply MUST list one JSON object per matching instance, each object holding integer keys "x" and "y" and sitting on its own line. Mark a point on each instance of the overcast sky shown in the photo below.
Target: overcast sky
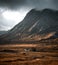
{"x": 14, "y": 11}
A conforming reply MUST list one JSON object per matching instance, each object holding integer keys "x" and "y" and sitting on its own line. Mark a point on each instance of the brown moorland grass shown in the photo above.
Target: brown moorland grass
{"x": 29, "y": 54}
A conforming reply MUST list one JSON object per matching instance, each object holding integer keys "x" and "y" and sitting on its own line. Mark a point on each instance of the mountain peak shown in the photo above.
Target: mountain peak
{"x": 47, "y": 9}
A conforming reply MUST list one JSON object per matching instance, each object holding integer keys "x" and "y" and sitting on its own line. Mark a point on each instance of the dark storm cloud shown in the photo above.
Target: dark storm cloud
{"x": 55, "y": 2}
{"x": 12, "y": 3}
{"x": 24, "y": 5}
{"x": 40, "y": 4}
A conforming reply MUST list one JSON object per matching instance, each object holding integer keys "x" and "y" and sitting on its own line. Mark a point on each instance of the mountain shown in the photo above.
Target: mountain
{"x": 37, "y": 25}
{"x": 3, "y": 32}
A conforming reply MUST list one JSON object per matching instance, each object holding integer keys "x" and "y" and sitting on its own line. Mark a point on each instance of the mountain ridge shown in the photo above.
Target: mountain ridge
{"x": 37, "y": 25}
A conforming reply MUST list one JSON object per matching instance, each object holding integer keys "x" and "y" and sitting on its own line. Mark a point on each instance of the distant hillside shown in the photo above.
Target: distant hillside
{"x": 2, "y": 32}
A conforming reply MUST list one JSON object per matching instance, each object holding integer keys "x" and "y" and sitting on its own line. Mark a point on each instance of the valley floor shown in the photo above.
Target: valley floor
{"x": 29, "y": 54}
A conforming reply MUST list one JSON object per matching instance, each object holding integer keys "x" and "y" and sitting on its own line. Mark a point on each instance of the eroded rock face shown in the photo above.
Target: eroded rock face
{"x": 36, "y": 25}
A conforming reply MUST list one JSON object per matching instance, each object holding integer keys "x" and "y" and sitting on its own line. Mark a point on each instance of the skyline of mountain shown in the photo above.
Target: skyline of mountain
{"x": 37, "y": 25}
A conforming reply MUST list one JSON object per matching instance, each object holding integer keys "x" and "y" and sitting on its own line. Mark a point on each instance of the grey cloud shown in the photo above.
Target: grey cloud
{"x": 40, "y": 4}
{"x": 12, "y": 3}
{"x": 25, "y": 4}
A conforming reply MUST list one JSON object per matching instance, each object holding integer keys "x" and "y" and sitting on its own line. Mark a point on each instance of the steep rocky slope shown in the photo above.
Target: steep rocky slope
{"x": 37, "y": 25}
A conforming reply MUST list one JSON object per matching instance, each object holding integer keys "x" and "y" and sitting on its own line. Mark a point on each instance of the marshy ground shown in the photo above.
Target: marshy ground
{"x": 29, "y": 54}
